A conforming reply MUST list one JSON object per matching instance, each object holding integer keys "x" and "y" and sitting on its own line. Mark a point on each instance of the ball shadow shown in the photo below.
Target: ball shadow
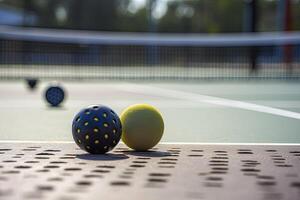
{"x": 149, "y": 153}
{"x": 59, "y": 107}
{"x": 107, "y": 156}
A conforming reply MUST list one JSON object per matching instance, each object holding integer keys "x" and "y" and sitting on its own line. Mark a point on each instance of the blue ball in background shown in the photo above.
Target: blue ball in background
{"x": 96, "y": 129}
{"x": 55, "y": 95}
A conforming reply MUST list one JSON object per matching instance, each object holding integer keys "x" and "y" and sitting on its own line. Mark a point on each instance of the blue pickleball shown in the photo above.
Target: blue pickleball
{"x": 55, "y": 95}
{"x": 97, "y": 129}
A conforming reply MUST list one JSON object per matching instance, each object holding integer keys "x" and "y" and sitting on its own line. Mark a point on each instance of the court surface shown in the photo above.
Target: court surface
{"x": 205, "y": 152}
{"x": 177, "y": 171}
{"x": 215, "y": 112}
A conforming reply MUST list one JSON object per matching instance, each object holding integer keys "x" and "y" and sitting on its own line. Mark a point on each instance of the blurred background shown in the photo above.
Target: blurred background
{"x": 196, "y": 39}
{"x": 188, "y": 16}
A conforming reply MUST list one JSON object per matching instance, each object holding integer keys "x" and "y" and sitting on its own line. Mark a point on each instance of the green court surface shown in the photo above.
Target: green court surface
{"x": 205, "y": 112}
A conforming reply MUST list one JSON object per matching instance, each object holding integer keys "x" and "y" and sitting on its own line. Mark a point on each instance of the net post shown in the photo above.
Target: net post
{"x": 250, "y": 25}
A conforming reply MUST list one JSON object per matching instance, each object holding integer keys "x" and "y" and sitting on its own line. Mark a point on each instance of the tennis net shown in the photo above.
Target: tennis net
{"x": 73, "y": 54}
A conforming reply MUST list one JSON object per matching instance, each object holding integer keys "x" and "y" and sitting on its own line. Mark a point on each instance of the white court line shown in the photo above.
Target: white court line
{"x": 167, "y": 143}
{"x": 162, "y": 92}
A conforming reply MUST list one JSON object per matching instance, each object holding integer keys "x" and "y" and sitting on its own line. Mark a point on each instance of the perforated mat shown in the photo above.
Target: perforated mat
{"x": 170, "y": 171}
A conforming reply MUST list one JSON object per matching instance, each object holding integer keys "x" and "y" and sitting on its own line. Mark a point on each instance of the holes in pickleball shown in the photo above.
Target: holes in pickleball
{"x": 96, "y": 119}
{"x": 95, "y": 107}
{"x": 104, "y": 115}
{"x": 96, "y": 130}
{"x": 86, "y": 123}
{"x": 77, "y": 119}
{"x": 105, "y": 124}
{"x": 87, "y": 112}
{"x": 87, "y": 137}
{"x": 106, "y": 136}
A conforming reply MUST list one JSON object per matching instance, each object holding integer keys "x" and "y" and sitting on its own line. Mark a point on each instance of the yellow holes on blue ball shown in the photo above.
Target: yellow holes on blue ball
{"x": 104, "y": 115}
{"x": 78, "y": 130}
{"x": 96, "y": 141}
{"x": 96, "y": 119}
{"x": 87, "y": 137}
{"x": 86, "y": 123}
{"x": 106, "y": 136}
{"x": 105, "y": 124}
{"x": 96, "y": 130}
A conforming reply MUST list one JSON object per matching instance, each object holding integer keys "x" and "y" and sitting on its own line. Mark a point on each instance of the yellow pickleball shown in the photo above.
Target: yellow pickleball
{"x": 142, "y": 126}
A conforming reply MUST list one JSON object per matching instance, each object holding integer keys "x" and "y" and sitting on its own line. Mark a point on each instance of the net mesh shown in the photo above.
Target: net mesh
{"x": 70, "y": 54}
